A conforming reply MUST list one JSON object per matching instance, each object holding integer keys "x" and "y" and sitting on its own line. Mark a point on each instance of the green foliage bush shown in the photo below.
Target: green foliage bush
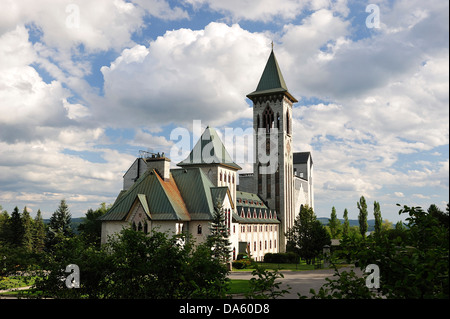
{"x": 135, "y": 265}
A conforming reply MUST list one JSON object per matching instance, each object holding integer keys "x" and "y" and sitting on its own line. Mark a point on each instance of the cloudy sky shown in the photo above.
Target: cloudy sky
{"x": 85, "y": 85}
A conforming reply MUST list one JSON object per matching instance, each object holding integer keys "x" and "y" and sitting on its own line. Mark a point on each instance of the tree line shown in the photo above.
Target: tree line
{"x": 412, "y": 257}
{"x": 20, "y": 231}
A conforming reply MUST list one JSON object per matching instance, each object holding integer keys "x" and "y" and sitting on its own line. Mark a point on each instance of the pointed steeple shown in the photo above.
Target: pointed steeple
{"x": 209, "y": 150}
{"x": 272, "y": 80}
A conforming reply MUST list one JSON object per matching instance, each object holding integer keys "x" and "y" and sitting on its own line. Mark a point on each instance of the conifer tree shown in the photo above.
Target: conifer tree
{"x": 16, "y": 228}
{"x": 38, "y": 233}
{"x": 218, "y": 238}
{"x": 27, "y": 225}
{"x": 5, "y": 231}
{"x": 59, "y": 226}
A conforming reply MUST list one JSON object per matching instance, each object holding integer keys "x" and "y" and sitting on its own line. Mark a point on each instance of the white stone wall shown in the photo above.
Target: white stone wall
{"x": 263, "y": 238}
{"x": 110, "y": 228}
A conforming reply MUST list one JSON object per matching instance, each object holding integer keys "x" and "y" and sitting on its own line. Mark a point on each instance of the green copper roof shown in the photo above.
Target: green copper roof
{"x": 272, "y": 80}
{"x": 161, "y": 200}
{"x": 209, "y": 150}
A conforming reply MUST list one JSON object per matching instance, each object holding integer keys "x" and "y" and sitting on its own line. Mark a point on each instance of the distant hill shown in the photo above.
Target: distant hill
{"x": 352, "y": 222}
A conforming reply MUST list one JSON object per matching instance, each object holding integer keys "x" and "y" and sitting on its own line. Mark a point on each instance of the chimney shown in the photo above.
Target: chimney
{"x": 161, "y": 164}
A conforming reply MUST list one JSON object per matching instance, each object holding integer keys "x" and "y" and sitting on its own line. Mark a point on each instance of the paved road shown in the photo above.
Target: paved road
{"x": 299, "y": 281}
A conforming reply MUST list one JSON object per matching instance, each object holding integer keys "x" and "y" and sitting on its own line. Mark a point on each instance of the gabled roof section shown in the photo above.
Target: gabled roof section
{"x": 209, "y": 150}
{"x": 272, "y": 80}
{"x": 195, "y": 188}
{"x": 218, "y": 195}
{"x": 163, "y": 200}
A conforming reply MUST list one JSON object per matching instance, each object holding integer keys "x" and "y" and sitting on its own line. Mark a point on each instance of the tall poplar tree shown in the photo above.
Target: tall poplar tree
{"x": 378, "y": 219}
{"x": 334, "y": 224}
{"x": 346, "y": 226}
{"x": 362, "y": 217}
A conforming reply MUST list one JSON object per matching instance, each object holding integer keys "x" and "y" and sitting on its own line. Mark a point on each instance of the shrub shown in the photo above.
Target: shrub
{"x": 242, "y": 263}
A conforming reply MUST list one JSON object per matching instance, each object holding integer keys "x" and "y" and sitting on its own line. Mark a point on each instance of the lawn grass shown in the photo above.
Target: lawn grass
{"x": 239, "y": 286}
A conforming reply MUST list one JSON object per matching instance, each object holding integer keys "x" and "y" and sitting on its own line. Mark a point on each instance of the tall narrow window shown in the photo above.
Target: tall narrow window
{"x": 269, "y": 185}
{"x": 268, "y": 119}
{"x": 259, "y": 179}
{"x": 277, "y": 189}
{"x": 288, "y": 123}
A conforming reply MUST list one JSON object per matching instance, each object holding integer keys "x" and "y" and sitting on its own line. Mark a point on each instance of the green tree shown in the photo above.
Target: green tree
{"x": 59, "y": 226}
{"x": 441, "y": 216}
{"x": 334, "y": 224}
{"x": 91, "y": 226}
{"x": 16, "y": 228}
{"x": 412, "y": 266}
{"x": 307, "y": 236}
{"x": 219, "y": 233}
{"x": 346, "y": 226}
{"x": 135, "y": 265}
{"x": 378, "y": 219}
{"x": 38, "y": 233}
{"x": 362, "y": 217}
{"x": 27, "y": 225}
{"x": 5, "y": 229}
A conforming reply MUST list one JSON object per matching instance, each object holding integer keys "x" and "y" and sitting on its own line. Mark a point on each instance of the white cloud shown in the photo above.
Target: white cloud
{"x": 268, "y": 10}
{"x": 162, "y": 9}
{"x": 185, "y": 75}
{"x": 102, "y": 24}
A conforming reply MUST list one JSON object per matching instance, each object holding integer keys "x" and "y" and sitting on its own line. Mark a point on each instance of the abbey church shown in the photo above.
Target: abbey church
{"x": 259, "y": 207}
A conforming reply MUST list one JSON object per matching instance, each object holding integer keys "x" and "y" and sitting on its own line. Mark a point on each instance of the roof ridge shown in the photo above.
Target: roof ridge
{"x": 127, "y": 192}
{"x": 220, "y": 154}
{"x": 171, "y": 183}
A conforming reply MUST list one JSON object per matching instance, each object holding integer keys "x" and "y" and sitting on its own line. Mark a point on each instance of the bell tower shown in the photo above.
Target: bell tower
{"x": 272, "y": 123}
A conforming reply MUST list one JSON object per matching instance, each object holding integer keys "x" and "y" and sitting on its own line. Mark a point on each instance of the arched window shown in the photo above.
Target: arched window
{"x": 257, "y": 121}
{"x": 268, "y": 118}
{"x": 278, "y": 120}
{"x": 199, "y": 229}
